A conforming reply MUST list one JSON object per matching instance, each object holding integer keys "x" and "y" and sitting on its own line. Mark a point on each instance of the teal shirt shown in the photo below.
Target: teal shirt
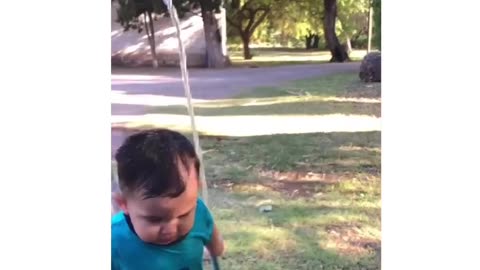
{"x": 129, "y": 252}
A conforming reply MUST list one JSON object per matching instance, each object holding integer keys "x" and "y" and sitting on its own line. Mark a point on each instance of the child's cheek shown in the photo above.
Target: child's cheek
{"x": 186, "y": 225}
{"x": 148, "y": 232}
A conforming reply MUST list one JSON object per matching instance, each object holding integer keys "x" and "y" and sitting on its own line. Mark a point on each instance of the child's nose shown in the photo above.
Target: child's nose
{"x": 169, "y": 228}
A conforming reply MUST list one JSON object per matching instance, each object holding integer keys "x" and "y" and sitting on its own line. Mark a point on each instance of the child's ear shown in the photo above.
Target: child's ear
{"x": 120, "y": 201}
{"x": 199, "y": 184}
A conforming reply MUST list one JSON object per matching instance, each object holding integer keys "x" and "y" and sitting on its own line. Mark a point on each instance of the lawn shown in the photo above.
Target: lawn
{"x": 285, "y": 56}
{"x": 323, "y": 187}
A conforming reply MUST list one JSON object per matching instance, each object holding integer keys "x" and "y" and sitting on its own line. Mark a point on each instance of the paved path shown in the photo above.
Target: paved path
{"x": 210, "y": 83}
{"x": 134, "y": 89}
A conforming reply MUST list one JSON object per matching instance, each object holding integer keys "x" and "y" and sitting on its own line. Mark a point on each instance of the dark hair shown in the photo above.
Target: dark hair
{"x": 148, "y": 162}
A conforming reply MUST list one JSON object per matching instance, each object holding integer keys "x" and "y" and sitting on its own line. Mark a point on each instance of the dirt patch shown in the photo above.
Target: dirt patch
{"x": 300, "y": 184}
{"x": 289, "y": 184}
{"x": 286, "y": 188}
{"x": 296, "y": 189}
{"x": 299, "y": 176}
{"x": 368, "y": 90}
{"x": 348, "y": 241}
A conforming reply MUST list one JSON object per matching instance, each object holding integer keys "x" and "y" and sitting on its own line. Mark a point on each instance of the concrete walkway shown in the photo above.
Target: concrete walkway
{"x": 134, "y": 90}
{"x": 207, "y": 83}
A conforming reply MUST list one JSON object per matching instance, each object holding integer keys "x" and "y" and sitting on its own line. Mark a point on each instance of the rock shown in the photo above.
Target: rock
{"x": 371, "y": 67}
{"x": 265, "y": 206}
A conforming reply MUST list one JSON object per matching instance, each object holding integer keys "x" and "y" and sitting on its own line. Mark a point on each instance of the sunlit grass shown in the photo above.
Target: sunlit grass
{"x": 254, "y": 125}
{"x": 342, "y": 85}
{"x": 279, "y": 56}
{"x": 338, "y": 228}
{"x": 300, "y": 107}
{"x": 320, "y": 153}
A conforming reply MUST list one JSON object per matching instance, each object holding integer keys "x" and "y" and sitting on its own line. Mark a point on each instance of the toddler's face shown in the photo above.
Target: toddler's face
{"x": 164, "y": 220}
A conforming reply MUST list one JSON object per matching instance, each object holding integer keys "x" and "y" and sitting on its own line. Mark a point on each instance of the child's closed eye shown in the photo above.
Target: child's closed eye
{"x": 185, "y": 215}
{"x": 154, "y": 219}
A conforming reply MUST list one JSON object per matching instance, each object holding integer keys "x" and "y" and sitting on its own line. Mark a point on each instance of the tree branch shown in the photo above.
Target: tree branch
{"x": 147, "y": 30}
{"x": 251, "y": 18}
{"x": 234, "y": 24}
{"x": 152, "y": 29}
{"x": 261, "y": 19}
{"x": 248, "y": 13}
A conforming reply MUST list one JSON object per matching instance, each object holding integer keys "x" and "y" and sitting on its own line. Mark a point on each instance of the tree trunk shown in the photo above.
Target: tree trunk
{"x": 336, "y": 49}
{"x": 150, "y": 30}
{"x": 370, "y": 19}
{"x": 349, "y": 43}
{"x": 316, "y": 41}
{"x": 223, "y": 28}
{"x": 283, "y": 39}
{"x": 215, "y": 56}
{"x": 308, "y": 41}
{"x": 246, "y": 46}
{"x": 377, "y": 23}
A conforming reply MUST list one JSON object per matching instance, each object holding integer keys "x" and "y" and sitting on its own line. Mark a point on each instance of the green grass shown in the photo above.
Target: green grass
{"x": 335, "y": 230}
{"x": 324, "y": 187}
{"x": 285, "y": 56}
{"x": 331, "y": 220}
{"x": 338, "y": 85}
{"x": 332, "y": 153}
{"x": 300, "y": 107}
{"x": 328, "y": 95}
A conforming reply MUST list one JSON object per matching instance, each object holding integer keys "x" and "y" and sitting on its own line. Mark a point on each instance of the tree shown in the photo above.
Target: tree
{"x": 377, "y": 21}
{"x": 216, "y": 57}
{"x": 290, "y": 22}
{"x": 311, "y": 40}
{"x": 352, "y": 20}
{"x": 245, "y": 16}
{"x": 293, "y": 23}
{"x": 329, "y": 22}
{"x": 139, "y": 15}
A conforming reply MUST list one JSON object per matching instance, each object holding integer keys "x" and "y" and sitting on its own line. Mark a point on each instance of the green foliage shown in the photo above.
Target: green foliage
{"x": 244, "y": 13}
{"x": 353, "y": 20}
{"x": 292, "y": 21}
{"x": 129, "y": 11}
{"x": 246, "y": 16}
{"x": 288, "y": 23}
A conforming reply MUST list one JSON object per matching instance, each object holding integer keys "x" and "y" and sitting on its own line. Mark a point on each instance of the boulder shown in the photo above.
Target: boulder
{"x": 371, "y": 67}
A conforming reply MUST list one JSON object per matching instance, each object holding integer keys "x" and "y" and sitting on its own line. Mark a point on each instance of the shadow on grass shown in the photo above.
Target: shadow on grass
{"x": 318, "y": 153}
{"x": 297, "y": 247}
{"x": 327, "y": 232}
{"x": 345, "y": 84}
{"x": 285, "y": 56}
{"x": 248, "y": 158}
{"x": 340, "y": 93}
{"x": 285, "y": 108}
{"x": 251, "y": 158}
{"x": 269, "y": 63}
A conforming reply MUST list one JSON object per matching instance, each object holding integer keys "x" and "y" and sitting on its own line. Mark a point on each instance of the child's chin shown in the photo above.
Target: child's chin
{"x": 164, "y": 242}
{"x": 161, "y": 242}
